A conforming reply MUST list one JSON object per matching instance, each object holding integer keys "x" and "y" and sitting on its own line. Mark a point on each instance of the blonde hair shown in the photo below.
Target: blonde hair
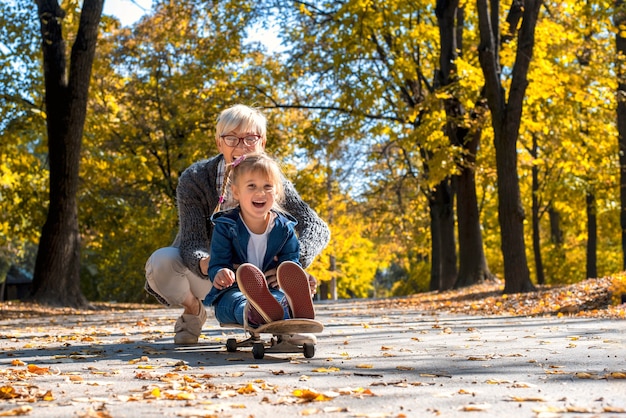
{"x": 241, "y": 118}
{"x": 260, "y": 163}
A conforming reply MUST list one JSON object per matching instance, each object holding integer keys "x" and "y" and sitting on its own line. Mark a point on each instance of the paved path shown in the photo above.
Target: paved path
{"x": 368, "y": 363}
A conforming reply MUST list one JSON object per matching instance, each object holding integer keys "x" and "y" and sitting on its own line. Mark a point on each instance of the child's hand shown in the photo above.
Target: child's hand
{"x": 223, "y": 279}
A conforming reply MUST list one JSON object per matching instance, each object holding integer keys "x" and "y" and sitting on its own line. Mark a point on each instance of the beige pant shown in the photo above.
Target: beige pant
{"x": 169, "y": 277}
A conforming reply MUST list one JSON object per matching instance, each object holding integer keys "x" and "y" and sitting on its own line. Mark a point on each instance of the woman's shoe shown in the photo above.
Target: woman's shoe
{"x": 189, "y": 327}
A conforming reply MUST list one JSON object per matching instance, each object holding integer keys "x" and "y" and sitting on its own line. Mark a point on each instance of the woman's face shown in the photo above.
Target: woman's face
{"x": 233, "y": 148}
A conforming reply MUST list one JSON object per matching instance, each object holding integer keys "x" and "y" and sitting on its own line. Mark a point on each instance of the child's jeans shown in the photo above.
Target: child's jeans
{"x": 229, "y": 309}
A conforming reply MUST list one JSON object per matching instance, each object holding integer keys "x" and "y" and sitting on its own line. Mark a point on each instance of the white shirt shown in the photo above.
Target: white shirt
{"x": 257, "y": 246}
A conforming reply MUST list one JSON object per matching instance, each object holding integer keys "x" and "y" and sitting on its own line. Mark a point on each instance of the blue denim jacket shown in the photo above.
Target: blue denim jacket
{"x": 229, "y": 244}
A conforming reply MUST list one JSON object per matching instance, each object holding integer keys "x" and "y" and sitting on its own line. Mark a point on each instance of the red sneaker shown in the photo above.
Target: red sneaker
{"x": 252, "y": 283}
{"x": 293, "y": 281}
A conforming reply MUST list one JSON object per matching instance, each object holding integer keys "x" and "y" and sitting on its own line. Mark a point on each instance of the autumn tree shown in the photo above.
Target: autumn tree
{"x": 564, "y": 114}
{"x": 57, "y": 268}
{"x": 373, "y": 69}
{"x": 464, "y": 131}
{"x": 506, "y": 114}
{"x": 23, "y": 170}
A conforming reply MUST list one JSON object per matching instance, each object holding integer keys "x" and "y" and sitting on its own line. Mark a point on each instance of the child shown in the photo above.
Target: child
{"x": 251, "y": 238}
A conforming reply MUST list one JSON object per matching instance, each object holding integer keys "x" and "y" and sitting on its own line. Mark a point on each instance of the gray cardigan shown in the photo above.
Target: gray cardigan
{"x": 197, "y": 198}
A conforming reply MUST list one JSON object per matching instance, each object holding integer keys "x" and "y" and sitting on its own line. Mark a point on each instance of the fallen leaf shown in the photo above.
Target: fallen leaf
{"x": 21, "y": 410}
{"x": 32, "y": 368}
{"x": 475, "y": 407}
{"x": 526, "y": 399}
{"x": 326, "y": 370}
{"x": 310, "y": 395}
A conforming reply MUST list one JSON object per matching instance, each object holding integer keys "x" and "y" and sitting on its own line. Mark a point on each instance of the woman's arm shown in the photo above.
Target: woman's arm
{"x": 196, "y": 197}
{"x": 313, "y": 233}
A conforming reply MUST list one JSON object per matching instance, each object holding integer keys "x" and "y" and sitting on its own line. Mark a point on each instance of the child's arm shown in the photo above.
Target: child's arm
{"x": 221, "y": 251}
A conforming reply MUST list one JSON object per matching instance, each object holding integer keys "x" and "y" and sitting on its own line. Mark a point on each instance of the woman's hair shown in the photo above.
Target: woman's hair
{"x": 242, "y": 118}
{"x": 259, "y": 163}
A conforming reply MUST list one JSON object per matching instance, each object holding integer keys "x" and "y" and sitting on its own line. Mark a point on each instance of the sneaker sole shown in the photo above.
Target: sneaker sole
{"x": 252, "y": 284}
{"x": 294, "y": 282}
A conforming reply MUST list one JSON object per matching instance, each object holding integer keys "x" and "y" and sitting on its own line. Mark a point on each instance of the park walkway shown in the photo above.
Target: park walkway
{"x": 382, "y": 361}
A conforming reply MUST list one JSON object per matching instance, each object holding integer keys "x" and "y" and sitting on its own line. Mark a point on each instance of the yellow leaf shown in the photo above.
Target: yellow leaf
{"x": 326, "y": 370}
{"x": 311, "y": 395}
{"x": 8, "y": 392}
{"x": 22, "y": 410}
{"x": 247, "y": 389}
{"x": 38, "y": 370}
{"x": 48, "y": 396}
{"x": 475, "y": 407}
{"x": 585, "y": 375}
{"x": 526, "y": 399}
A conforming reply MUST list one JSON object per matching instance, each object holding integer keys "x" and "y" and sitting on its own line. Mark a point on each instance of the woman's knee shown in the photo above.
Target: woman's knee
{"x": 164, "y": 258}
{"x": 165, "y": 274}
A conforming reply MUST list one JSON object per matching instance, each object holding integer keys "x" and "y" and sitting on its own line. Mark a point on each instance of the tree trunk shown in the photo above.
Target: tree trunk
{"x": 435, "y": 244}
{"x": 473, "y": 264}
{"x": 473, "y": 267}
{"x": 449, "y": 270}
{"x": 443, "y": 247}
{"x": 535, "y": 216}
{"x": 506, "y": 118}
{"x": 620, "y": 42}
{"x": 592, "y": 237}
{"x": 57, "y": 268}
{"x": 556, "y": 233}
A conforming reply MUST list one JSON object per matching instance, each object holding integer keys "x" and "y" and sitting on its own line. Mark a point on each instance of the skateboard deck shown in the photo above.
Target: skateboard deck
{"x": 286, "y": 337}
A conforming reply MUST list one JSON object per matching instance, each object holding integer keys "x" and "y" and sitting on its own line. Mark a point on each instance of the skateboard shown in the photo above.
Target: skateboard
{"x": 286, "y": 337}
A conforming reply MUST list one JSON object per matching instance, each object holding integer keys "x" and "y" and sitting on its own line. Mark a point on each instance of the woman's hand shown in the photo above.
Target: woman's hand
{"x": 312, "y": 284}
{"x": 204, "y": 265}
{"x": 223, "y": 279}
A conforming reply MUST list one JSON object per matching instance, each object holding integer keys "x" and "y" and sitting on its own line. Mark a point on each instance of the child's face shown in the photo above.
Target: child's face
{"x": 255, "y": 193}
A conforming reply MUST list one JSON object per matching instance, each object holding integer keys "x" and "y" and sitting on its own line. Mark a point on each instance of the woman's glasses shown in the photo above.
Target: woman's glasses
{"x": 234, "y": 140}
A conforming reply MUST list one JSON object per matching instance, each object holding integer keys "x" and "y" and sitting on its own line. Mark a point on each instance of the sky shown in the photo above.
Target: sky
{"x": 127, "y": 11}
{"x": 130, "y": 11}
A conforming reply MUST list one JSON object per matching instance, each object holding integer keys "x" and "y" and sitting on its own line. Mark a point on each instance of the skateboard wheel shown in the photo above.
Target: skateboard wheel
{"x": 231, "y": 345}
{"x": 309, "y": 350}
{"x": 258, "y": 351}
